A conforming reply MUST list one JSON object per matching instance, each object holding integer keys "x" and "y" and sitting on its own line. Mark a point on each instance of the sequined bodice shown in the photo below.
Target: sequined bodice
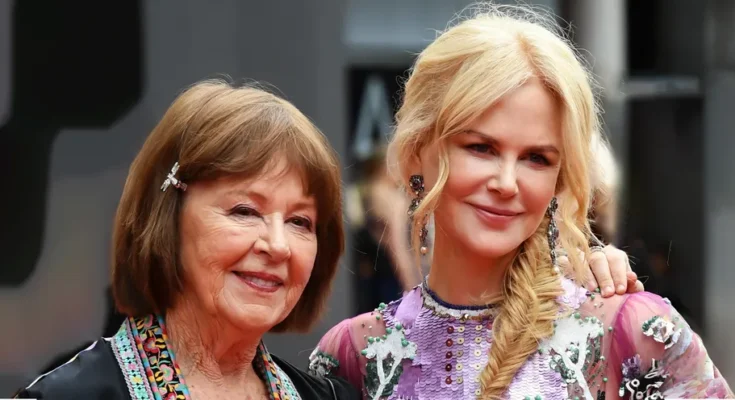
{"x": 453, "y": 344}
{"x": 452, "y": 347}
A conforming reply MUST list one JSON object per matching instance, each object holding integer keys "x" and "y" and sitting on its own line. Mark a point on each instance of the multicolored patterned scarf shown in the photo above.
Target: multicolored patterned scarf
{"x": 148, "y": 363}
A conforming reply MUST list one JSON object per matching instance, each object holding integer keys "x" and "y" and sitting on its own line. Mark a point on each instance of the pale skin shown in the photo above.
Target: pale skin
{"x": 248, "y": 246}
{"x": 503, "y": 173}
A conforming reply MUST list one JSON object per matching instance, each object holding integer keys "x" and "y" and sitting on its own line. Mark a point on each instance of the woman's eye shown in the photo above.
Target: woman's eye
{"x": 244, "y": 211}
{"x": 302, "y": 223}
{"x": 538, "y": 159}
{"x": 479, "y": 148}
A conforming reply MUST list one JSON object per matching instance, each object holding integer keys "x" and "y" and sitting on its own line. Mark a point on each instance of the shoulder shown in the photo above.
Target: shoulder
{"x": 338, "y": 350}
{"x": 616, "y": 308}
{"x": 638, "y": 322}
{"x": 352, "y": 333}
{"x": 647, "y": 317}
{"x": 312, "y": 387}
{"x": 91, "y": 373}
{"x": 631, "y": 314}
{"x": 632, "y": 309}
{"x": 643, "y": 325}
{"x": 338, "y": 353}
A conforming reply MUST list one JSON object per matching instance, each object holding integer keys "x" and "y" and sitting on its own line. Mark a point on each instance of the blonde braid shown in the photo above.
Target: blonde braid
{"x": 527, "y": 315}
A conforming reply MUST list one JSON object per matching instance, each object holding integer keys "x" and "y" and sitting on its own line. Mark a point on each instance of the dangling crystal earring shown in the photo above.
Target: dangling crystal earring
{"x": 416, "y": 182}
{"x": 552, "y": 232}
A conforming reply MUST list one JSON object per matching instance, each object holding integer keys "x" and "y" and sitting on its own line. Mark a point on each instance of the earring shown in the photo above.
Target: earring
{"x": 552, "y": 232}
{"x": 416, "y": 182}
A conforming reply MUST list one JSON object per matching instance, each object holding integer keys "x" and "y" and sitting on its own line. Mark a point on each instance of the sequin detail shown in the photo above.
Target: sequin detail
{"x": 662, "y": 330}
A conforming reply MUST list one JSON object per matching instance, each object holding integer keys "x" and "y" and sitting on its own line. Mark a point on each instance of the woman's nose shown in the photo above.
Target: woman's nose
{"x": 504, "y": 181}
{"x": 273, "y": 241}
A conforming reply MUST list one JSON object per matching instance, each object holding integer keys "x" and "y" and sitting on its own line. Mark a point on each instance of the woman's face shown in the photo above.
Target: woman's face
{"x": 502, "y": 174}
{"x": 248, "y": 246}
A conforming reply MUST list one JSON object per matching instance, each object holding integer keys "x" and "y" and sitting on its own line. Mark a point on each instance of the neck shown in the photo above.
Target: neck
{"x": 462, "y": 278}
{"x": 211, "y": 350}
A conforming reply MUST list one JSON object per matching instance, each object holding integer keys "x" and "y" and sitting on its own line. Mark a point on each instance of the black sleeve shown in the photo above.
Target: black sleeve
{"x": 91, "y": 374}
{"x": 314, "y": 388}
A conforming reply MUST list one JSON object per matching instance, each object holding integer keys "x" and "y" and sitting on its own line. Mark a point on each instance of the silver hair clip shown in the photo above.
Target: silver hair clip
{"x": 172, "y": 180}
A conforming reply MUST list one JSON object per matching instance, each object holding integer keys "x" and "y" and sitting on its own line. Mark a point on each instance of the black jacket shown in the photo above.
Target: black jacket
{"x": 95, "y": 374}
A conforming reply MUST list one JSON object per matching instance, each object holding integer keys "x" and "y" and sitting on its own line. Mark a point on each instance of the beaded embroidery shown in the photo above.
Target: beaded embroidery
{"x": 385, "y": 355}
{"x": 662, "y": 331}
{"x": 575, "y": 348}
{"x": 441, "y": 309}
{"x": 322, "y": 364}
{"x": 642, "y": 386}
{"x": 142, "y": 350}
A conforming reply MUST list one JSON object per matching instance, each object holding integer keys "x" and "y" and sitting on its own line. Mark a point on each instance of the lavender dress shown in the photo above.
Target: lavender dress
{"x": 633, "y": 346}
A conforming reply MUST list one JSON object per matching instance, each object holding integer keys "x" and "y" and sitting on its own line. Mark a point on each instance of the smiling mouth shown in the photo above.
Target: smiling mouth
{"x": 265, "y": 283}
{"x": 495, "y": 218}
{"x": 496, "y": 211}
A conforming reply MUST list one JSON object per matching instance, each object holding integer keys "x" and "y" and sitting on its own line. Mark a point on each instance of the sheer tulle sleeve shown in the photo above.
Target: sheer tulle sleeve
{"x": 652, "y": 350}
{"x": 338, "y": 352}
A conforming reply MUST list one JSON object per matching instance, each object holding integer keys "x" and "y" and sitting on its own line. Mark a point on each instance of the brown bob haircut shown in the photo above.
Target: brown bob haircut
{"x": 215, "y": 129}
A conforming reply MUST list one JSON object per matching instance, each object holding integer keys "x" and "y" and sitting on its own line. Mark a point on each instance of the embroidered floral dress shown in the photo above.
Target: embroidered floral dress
{"x": 633, "y": 347}
{"x": 139, "y": 363}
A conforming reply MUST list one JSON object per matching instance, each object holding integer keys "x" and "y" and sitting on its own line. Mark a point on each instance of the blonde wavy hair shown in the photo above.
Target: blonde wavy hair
{"x": 606, "y": 182}
{"x": 466, "y": 70}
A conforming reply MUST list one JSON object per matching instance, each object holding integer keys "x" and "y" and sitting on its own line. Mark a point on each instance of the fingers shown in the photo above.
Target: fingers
{"x": 619, "y": 266}
{"x": 634, "y": 285}
{"x": 601, "y": 271}
{"x": 631, "y": 279}
{"x": 592, "y": 283}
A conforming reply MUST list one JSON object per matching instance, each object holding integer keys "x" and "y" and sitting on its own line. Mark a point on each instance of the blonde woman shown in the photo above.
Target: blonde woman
{"x": 494, "y": 134}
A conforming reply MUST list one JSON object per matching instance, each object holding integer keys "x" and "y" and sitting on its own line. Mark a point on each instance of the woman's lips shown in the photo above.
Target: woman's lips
{"x": 261, "y": 282}
{"x": 495, "y": 217}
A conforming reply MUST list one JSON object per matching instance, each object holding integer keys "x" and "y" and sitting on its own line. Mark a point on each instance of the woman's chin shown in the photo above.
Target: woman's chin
{"x": 493, "y": 246}
{"x": 252, "y": 317}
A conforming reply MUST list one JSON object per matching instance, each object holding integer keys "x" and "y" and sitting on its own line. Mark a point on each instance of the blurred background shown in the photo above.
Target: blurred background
{"x": 82, "y": 84}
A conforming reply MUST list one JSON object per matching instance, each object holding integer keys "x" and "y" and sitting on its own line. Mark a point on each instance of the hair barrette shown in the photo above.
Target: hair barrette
{"x": 172, "y": 180}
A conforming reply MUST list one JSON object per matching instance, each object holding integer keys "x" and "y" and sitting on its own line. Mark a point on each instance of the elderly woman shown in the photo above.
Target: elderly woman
{"x": 229, "y": 226}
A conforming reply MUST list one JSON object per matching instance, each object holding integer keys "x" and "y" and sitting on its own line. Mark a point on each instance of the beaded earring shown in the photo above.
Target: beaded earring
{"x": 416, "y": 182}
